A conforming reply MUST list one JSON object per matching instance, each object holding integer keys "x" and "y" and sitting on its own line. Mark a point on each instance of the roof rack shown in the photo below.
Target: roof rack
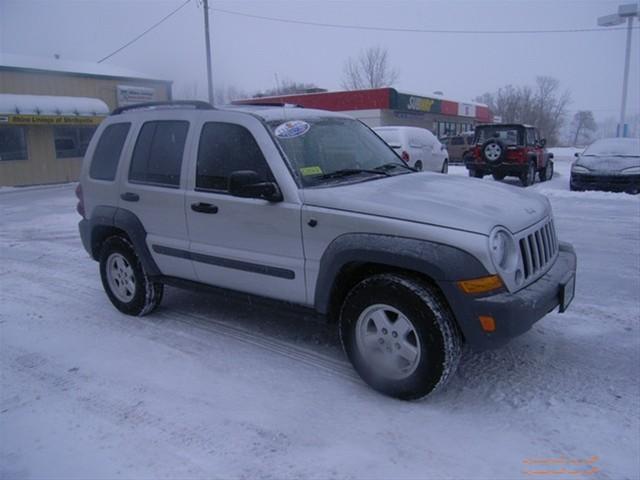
{"x": 197, "y": 104}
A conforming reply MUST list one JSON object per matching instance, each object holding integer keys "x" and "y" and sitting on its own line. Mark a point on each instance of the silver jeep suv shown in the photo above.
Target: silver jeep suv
{"x": 313, "y": 208}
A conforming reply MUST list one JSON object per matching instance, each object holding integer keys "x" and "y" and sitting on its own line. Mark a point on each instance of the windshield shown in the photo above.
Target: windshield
{"x": 320, "y": 147}
{"x": 508, "y": 136}
{"x": 628, "y": 147}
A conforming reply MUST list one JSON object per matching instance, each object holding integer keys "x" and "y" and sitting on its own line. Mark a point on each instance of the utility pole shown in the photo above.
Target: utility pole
{"x": 205, "y": 4}
{"x": 625, "y": 83}
{"x": 625, "y": 12}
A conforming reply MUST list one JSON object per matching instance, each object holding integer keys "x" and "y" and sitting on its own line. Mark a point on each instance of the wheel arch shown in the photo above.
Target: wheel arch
{"x": 109, "y": 221}
{"x": 353, "y": 257}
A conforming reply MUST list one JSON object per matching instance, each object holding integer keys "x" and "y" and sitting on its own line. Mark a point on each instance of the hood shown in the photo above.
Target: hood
{"x": 606, "y": 163}
{"x": 432, "y": 198}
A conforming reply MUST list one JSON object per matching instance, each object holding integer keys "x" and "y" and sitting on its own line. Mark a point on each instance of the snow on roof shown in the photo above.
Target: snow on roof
{"x": 51, "y": 105}
{"x": 66, "y": 66}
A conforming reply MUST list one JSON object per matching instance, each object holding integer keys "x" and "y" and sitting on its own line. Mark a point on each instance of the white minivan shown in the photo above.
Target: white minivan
{"x": 418, "y": 147}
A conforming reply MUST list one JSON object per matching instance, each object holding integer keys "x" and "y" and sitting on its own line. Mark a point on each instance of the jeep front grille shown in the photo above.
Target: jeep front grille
{"x": 538, "y": 248}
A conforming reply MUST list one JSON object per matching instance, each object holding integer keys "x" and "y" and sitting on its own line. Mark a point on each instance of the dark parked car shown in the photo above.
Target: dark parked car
{"x": 611, "y": 164}
{"x": 512, "y": 149}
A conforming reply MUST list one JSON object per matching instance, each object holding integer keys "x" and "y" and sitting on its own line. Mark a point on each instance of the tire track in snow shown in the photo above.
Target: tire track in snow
{"x": 288, "y": 350}
{"x": 80, "y": 292}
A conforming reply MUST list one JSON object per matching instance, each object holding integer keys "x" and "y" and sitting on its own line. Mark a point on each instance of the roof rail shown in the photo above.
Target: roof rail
{"x": 197, "y": 104}
{"x": 266, "y": 104}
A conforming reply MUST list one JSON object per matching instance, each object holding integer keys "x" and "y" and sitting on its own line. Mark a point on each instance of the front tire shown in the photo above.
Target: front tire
{"x": 399, "y": 335}
{"x": 418, "y": 166}
{"x": 445, "y": 167}
{"x": 124, "y": 280}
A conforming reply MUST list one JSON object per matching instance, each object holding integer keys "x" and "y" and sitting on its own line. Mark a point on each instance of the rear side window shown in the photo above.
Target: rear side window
{"x": 457, "y": 141}
{"x": 531, "y": 136}
{"x": 226, "y": 148}
{"x": 157, "y": 157}
{"x": 107, "y": 153}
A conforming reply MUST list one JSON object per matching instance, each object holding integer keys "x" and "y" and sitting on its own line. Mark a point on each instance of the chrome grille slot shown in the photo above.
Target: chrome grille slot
{"x": 538, "y": 248}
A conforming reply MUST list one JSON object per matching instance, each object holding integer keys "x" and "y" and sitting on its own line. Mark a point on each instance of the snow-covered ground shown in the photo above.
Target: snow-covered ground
{"x": 215, "y": 387}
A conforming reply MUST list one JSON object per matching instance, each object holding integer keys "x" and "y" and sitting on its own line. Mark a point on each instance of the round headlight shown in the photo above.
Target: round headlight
{"x": 502, "y": 247}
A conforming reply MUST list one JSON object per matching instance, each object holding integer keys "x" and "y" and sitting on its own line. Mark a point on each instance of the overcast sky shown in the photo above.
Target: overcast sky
{"x": 249, "y": 52}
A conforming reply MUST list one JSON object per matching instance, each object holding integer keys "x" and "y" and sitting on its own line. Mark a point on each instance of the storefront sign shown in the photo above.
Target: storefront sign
{"x": 415, "y": 103}
{"x": 132, "y": 95}
{"x": 50, "y": 120}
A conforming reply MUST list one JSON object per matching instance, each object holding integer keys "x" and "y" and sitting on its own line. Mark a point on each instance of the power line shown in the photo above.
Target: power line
{"x": 411, "y": 30}
{"x": 173, "y": 12}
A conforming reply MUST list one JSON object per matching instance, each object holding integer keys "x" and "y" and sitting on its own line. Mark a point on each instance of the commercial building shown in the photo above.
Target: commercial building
{"x": 49, "y": 110}
{"x": 386, "y": 106}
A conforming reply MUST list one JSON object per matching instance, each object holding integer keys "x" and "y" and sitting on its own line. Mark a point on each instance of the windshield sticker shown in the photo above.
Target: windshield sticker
{"x": 308, "y": 171}
{"x": 292, "y": 129}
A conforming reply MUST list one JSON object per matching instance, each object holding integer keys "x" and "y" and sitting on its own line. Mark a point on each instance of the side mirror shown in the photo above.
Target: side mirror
{"x": 543, "y": 142}
{"x": 248, "y": 184}
{"x": 577, "y": 155}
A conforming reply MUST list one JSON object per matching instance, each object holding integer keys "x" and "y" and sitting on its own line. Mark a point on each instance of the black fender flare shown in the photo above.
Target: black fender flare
{"x": 122, "y": 219}
{"x": 439, "y": 262}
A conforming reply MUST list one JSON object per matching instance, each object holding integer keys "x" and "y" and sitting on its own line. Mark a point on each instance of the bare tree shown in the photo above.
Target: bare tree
{"x": 543, "y": 105}
{"x": 228, "y": 94}
{"x": 583, "y": 126}
{"x": 289, "y": 87}
{"x": 370, "y": 69}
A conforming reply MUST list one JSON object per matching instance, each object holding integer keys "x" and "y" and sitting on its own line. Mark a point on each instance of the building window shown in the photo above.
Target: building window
{"x": 13, "y": 143}
{"x": 72, "y": 142}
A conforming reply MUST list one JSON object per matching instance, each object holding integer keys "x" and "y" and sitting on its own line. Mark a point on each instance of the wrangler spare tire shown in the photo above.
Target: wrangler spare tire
{"x": 493, "y": 152}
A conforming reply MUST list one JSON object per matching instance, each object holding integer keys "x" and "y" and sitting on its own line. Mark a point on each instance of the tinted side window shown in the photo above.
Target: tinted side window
{"x": 107, "y": 153}
{"x": 226, "y": 148}
{"x": 157, "y": 158}
{"x": 531, "y": 139}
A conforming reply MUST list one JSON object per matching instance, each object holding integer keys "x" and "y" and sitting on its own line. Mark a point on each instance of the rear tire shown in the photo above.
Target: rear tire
{"x": 476, "y": 173}
{"x": 418, "y": 165}
{"x": 498, "y": 176}
{"x": 547, "y": 172}
{"x": 399, "y": 335}
{"x": 445, "y": 167}
{"x": 528, "y": 177}
{"x": 124, "y": 280}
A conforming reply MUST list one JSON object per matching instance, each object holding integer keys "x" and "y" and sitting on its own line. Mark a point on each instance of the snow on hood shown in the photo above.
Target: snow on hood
{"x": 606, "y": 163}
{"x": 436, "y": 199}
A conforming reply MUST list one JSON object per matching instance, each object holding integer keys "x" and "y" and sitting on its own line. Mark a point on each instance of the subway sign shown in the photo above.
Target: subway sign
{"x": 415, "y": 103}
{"x": 49, "y": 120}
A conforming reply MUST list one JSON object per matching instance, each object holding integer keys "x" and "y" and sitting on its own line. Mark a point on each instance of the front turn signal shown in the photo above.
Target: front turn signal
{"x": 481, "y": 285}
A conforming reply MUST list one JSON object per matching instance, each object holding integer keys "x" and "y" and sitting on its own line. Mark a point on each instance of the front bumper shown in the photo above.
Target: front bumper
{"x": 514, "y": 313}
{"x": 607, "y": 182}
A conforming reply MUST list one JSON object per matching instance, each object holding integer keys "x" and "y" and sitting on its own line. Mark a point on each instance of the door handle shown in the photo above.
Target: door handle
{"x": 130, "y": 197}
{"x": 204, "y": 208}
